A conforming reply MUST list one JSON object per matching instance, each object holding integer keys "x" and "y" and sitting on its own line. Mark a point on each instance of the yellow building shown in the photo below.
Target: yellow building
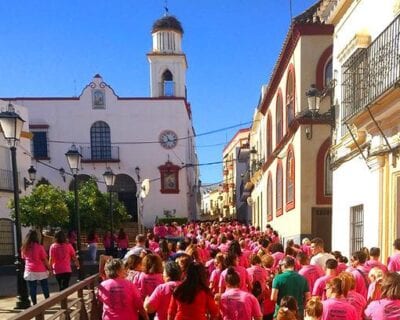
{"x": 365, "y": 148}
{"x": 289, "y": 140}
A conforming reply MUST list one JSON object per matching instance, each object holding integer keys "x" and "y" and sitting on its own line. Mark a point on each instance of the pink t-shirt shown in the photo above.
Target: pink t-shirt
{"x": 121, "y": 299}
{"x": 374, "y": 263}
{"x": 278, "y": 256}
{"x": 214, "y": 280}
{"x": 148, "y": 282}
{"x": 239, "y": 305}
{"x": 34, "y": 257}
{"x": 357, "y": 301}
{"x": 160, "y": 298}
{"x": 311, "y": 273}
{"x": 338, "y": 309}
{"x": 123, "y": 243}
{"x": 394, "y": 263}
{"x": 61, "y": 255}
{"x": 361, "y": 277}
{"x": 341, "y": 267}
{"x": 319, "y": 286}
{"x": 383, "y": 309}
{"x": 244, "y": 278}
{"x": 258, "y": 273}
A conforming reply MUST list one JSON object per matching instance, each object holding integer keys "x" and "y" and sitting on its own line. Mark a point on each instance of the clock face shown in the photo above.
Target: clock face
{"x": 168, "y": 139}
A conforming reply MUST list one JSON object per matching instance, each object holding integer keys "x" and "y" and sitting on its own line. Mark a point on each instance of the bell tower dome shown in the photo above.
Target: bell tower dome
{"x": 168, "y": 63}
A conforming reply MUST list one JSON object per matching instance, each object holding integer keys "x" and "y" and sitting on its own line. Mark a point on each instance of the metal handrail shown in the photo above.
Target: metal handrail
{"x": 85, "y": 304}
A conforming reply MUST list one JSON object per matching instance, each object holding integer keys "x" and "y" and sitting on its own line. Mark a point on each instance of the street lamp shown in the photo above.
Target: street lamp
{"x": 32, "y": 177}
{"x": 11, "y": 124}
{"x": 314, "y": 99}
{"x": 74, "y": 160}
{"x": 109, "y": 179}
{"x": 138, "y": 189}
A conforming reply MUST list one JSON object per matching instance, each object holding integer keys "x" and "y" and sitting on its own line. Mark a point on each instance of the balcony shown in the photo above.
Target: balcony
{"x": 6, "y": 180}
{"x": 371, "y": 72}
{"x": 100, "y": 153}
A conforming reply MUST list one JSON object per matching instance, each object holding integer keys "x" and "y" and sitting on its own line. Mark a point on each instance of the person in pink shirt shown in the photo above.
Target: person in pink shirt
{"x": 153, "y": 244}
{"x": 277, "y": 252}
{"x": 373, "y": 261}
{"x": 394, "y": 259}
{"x": 215, "y": 275}
{"x": 336, "y": 307}
{"x": 257, "y": 273}
{"x": 388, "y": 307}
{"x": 37, "y": 266}
{"x": 375, "y": 276}
{"x": 120, "y": 298}
{"x": 246, "y": 253}
{"x": 359, "y": 272}
{"x": 320, "y": 283}
{"x": 352, "y": 296}
{"x": 306, "y": 246}
{"x": 224, "y": 246}
{"x": 313, "y": 309}
{"x": 310, "y": 272}
{"x": 158, "y": 302}
{"x": 233, "y": 261}
{"x": 342, "y": 266}
{"x": 236, "y": 304}
{"x": 122, "y": 243}
{"x": 108, "y": 243}
{"x": 61, "y": 254}
{"x": 151, "y": 276}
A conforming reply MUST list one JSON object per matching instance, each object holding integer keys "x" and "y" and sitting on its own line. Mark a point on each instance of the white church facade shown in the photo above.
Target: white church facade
{"x": 154, "y": 134}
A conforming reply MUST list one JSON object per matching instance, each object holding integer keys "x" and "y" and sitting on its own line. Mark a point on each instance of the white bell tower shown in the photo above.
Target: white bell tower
{"x": 168, "y": 63}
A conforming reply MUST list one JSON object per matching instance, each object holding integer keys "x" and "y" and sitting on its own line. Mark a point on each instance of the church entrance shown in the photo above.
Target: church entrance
{"x": 125, "y": 187}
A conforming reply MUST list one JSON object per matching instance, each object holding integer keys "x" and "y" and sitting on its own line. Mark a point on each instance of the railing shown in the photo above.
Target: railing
{"x": 100, "y": 153}
{"x": 76, "y": 302}
{"x": 6, "y": 180}
{"x": 372, "y": 71}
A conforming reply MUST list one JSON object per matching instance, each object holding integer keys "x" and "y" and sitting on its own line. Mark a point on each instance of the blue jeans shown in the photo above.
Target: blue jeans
{"x": 33, "y": 289}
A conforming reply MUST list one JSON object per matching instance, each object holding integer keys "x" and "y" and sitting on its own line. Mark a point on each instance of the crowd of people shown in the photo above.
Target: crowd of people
{"x": 230, "y": 271}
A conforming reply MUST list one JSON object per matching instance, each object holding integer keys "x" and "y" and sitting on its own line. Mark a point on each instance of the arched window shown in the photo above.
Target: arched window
{"x": 290, "y": 97}
{"x": 269, "y": 198}
{"x": 279, "y": 118}
{"x": 290, "y": 180}
{"x": 269, "y": 135}
{"x": 324, "y": 174}
{"x": 168, "y": 84}
{"x": 279, "y": 189}
{"x": 328, "y": 73}
{"x": 100, "y": 141}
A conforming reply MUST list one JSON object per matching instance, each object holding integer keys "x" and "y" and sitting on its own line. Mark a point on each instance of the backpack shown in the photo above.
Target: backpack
{"x": 257, "y": 289}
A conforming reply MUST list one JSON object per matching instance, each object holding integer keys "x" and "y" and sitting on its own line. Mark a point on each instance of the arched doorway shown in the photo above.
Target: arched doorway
{"x": 126, "y": 188}
{"x": 81, "y": 178}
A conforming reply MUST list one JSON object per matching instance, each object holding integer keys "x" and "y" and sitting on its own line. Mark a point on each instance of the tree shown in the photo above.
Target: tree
{"x": 44, "y": 207}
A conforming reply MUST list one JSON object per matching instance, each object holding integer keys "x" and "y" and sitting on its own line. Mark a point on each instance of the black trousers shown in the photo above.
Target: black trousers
{"x": 63, "y": 280}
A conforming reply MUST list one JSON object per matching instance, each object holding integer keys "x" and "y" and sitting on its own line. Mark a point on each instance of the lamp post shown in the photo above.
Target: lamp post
{"x": 138, "y": 189}
{"x": 32, "y": 177}
{"x": 74, "y": 159}
{"x": 11, "y": 124}
{"x": 109, "y": 179}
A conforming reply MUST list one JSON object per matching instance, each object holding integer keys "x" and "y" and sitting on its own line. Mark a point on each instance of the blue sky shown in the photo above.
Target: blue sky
{"x": 53, "y": 48}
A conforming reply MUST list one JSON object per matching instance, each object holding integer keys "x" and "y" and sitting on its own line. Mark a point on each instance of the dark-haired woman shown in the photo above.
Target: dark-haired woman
{"x": 36, "y": 265}
{"x": 61, "y": 254}
{"x": 192, "y": 299}
{"x": 237, "y": 304}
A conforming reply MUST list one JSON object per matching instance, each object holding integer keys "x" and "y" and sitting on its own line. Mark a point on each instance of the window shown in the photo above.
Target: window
{"x": 356, "y": 228}
{"x": 100, "y": 141}
{"x": 168, "y": 84}
{"x": 279, "y": 118}
{"x": 269, "y": 135}
{"x": 269, "y": 198}
{"x": 290, "y": 180}
{"x": 290, "y": 97}
{"x": 279, "y": 189}
{"x": 328, "y": 74}
{"x": 39, "y": 145}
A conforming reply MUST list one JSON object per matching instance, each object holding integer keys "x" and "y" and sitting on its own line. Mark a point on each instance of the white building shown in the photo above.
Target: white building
{"x": 152, "y": 133}
{"x": 365, "y": 158}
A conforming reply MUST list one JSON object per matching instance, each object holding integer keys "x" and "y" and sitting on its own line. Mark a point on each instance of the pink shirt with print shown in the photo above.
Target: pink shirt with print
{"x": 148, "y": 282}
{"x": 319, "y": 286}
{"x": 61, "y": 255}
{"x": 34, "y": 257}
{"x": 258, "y": 273}
{"x": 394, "y": 263}
{"x": 160, "y": 298}
{"x": 243, "y": 275}
{"x": 384, "y": 309}
{"x": 236, "y": 304}
{"x": 311, "y": 273}
{"x": 357, "y": 301}
{"x": 121, "y": 299}
{"x": 338, "y": 309}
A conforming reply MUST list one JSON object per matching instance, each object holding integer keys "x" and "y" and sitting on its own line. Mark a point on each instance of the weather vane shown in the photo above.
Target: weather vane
{"x": 166, "y": 7}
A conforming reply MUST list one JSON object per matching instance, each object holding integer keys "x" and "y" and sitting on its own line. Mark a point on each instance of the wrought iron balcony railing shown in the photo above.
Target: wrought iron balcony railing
{"x": 370, "y": 72}
{"x": 99, "y": 153}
